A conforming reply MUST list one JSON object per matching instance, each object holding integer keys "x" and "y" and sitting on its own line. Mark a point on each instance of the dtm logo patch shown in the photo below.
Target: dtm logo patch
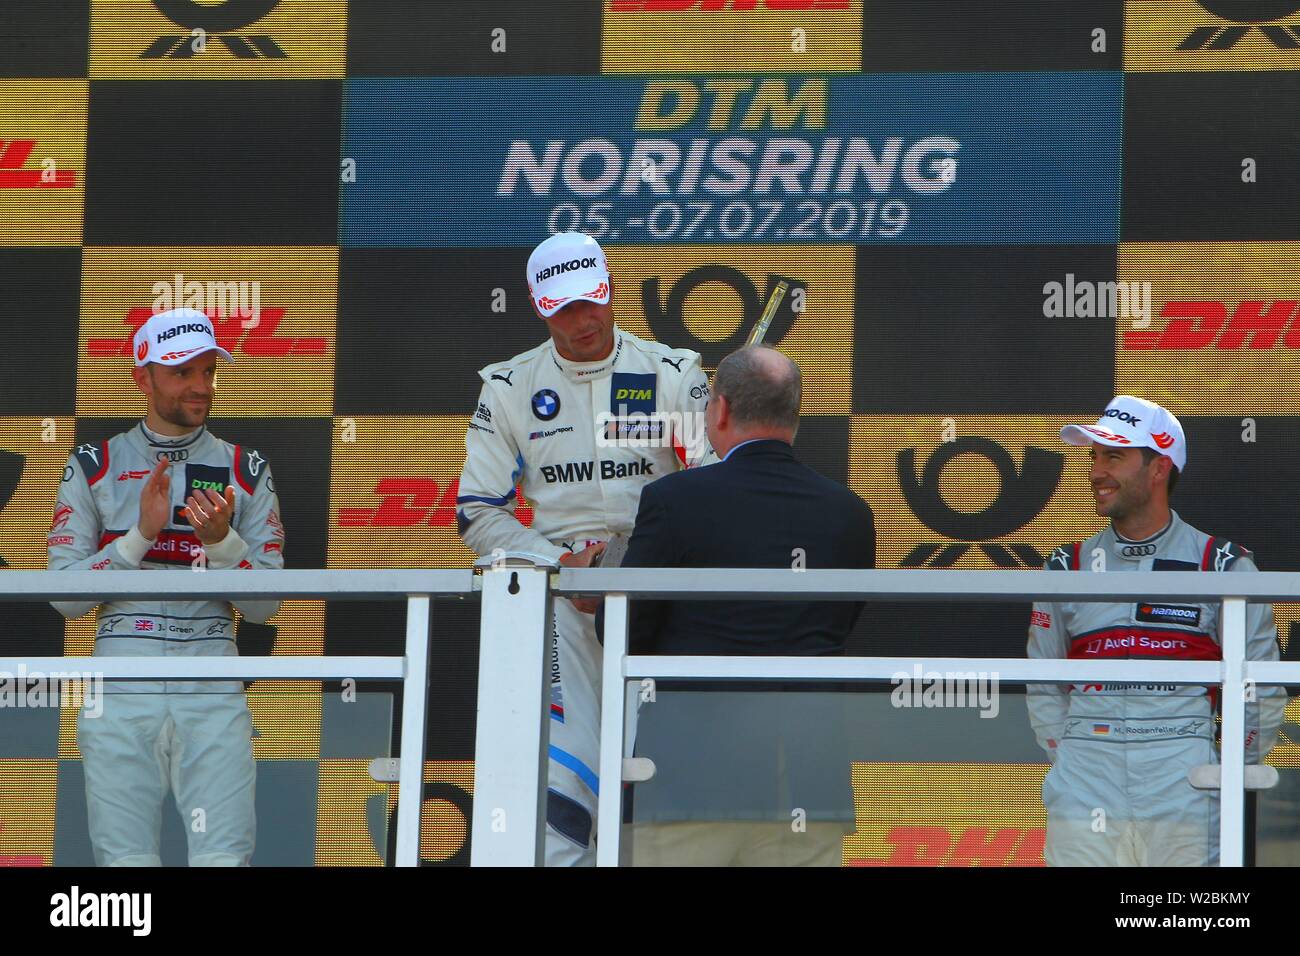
{"x": 200, "y": 478}
{"x": 1169, "y": 614}
{"x": 631, "y": 394}
{"x": 546, "y": 404}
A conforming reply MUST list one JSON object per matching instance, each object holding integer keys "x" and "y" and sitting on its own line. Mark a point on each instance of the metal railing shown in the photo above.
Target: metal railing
{"x": 512, "y": 733}
{"x": 512, "y": 706}
{"x": 412, "y": 668}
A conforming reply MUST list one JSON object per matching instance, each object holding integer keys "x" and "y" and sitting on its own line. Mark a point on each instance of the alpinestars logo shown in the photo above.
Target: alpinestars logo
{"x": 1258, "y": 15}
{"x": 14, "y": 154}
{"x": 218, "y": 21}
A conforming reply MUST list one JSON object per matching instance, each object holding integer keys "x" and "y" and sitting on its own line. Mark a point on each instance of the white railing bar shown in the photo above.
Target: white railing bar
{"x": 1009, "y": 670}
{"x": 320, "y": 583}
{"x": 288, "y": 667}
{"x": 609, "y": 813}
{"x": 415, "y": 687}
{"x": 921, "y": 585}
{"x": 1272, "y": 672}
{"x": 1232, "y": 805}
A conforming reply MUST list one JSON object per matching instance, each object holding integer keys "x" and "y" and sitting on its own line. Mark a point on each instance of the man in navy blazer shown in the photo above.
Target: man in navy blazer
{"x": 758, "y": 507}
{"x": 747, "y": 778}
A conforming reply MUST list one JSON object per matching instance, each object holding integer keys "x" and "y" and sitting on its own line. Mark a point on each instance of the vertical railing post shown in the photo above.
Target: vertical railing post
{"x": 609, "y": 824}
{"x": 415, "y": 687}
{"x": 513, "y": 730}
{"x": 1233, "y": 770}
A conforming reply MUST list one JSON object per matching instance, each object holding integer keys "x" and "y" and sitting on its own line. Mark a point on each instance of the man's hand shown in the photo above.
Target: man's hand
{"x": 584, "y": 559}
{"x": 156, "y": 501}
{"x": 210, "y": 514}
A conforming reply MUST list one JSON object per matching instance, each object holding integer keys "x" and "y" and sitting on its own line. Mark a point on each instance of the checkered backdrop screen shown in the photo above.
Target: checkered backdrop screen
{"x": 993, "y": 216}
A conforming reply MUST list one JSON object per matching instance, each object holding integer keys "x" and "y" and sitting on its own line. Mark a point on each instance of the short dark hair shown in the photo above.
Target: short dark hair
{"x": 757, "y": 393}
{"x": 1149, "y": 455}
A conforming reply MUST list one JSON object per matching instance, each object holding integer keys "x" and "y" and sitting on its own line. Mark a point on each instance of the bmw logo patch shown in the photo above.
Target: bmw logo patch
{"x": 546, "y": 404}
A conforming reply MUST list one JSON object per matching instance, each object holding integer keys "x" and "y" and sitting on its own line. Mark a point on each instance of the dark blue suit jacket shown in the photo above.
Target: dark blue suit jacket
{"x": 750, "y": 511}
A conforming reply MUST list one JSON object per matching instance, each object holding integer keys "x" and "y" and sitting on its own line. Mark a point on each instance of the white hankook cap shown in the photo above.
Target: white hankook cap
{"x": 170, "y": 338}
{"x": 1130, "y": 422}
{"x": 567, "y": 266}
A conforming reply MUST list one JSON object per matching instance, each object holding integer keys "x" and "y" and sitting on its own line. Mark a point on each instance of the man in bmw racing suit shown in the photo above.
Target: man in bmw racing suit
{"x": 536, "y": 427}
{"x": 1118, "y": 791}
{"x": 167, "y": 494}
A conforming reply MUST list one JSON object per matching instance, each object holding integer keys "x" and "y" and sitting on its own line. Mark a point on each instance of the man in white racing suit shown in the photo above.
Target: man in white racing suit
{"x": 1118, "y": 791}
{"x": 579, "y": 424}
{"x": 167, "y": 494}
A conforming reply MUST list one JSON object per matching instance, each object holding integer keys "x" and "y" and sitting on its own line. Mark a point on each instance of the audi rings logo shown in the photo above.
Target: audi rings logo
{"x": 177, "y": 454}
{"x": 1138, "y": 550}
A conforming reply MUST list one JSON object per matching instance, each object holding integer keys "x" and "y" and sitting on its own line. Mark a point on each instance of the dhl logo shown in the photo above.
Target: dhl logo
{"x": 14, "y": 154}
{"x": 236, "y": 333}
{"x": 1255, "y": 324}
{"x": 955, "y": 846}
{"x": 408, "y": 502}
{"x": 711, "y": 6}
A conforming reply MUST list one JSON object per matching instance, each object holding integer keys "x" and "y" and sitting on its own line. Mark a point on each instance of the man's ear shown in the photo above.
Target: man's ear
{"x": 142, "y": 380}
{"x": 724, "y": 409}
{"x": 1163, "y": 466}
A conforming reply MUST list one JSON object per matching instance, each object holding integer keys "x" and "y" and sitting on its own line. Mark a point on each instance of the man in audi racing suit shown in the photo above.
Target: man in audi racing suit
{"x": 1118, "y": 791}
{"x": 536, "y": 428}
{"x": 167, "y": 494}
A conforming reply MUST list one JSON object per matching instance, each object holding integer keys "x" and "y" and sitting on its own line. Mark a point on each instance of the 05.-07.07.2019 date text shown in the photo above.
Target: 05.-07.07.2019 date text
{"x": 841, "y": 219}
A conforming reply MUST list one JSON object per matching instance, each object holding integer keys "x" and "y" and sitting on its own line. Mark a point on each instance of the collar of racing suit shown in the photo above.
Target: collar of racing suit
{"x": 1155, "y": 543}
{"x": 579, "y": 372}
{"x": 167, "y": 441}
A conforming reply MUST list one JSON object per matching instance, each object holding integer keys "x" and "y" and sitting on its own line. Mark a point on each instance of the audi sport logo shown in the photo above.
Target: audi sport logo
{"x": 128, "y": 475}
{"x": 1196, "y": 325}
{"x": 411, "y": 502}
